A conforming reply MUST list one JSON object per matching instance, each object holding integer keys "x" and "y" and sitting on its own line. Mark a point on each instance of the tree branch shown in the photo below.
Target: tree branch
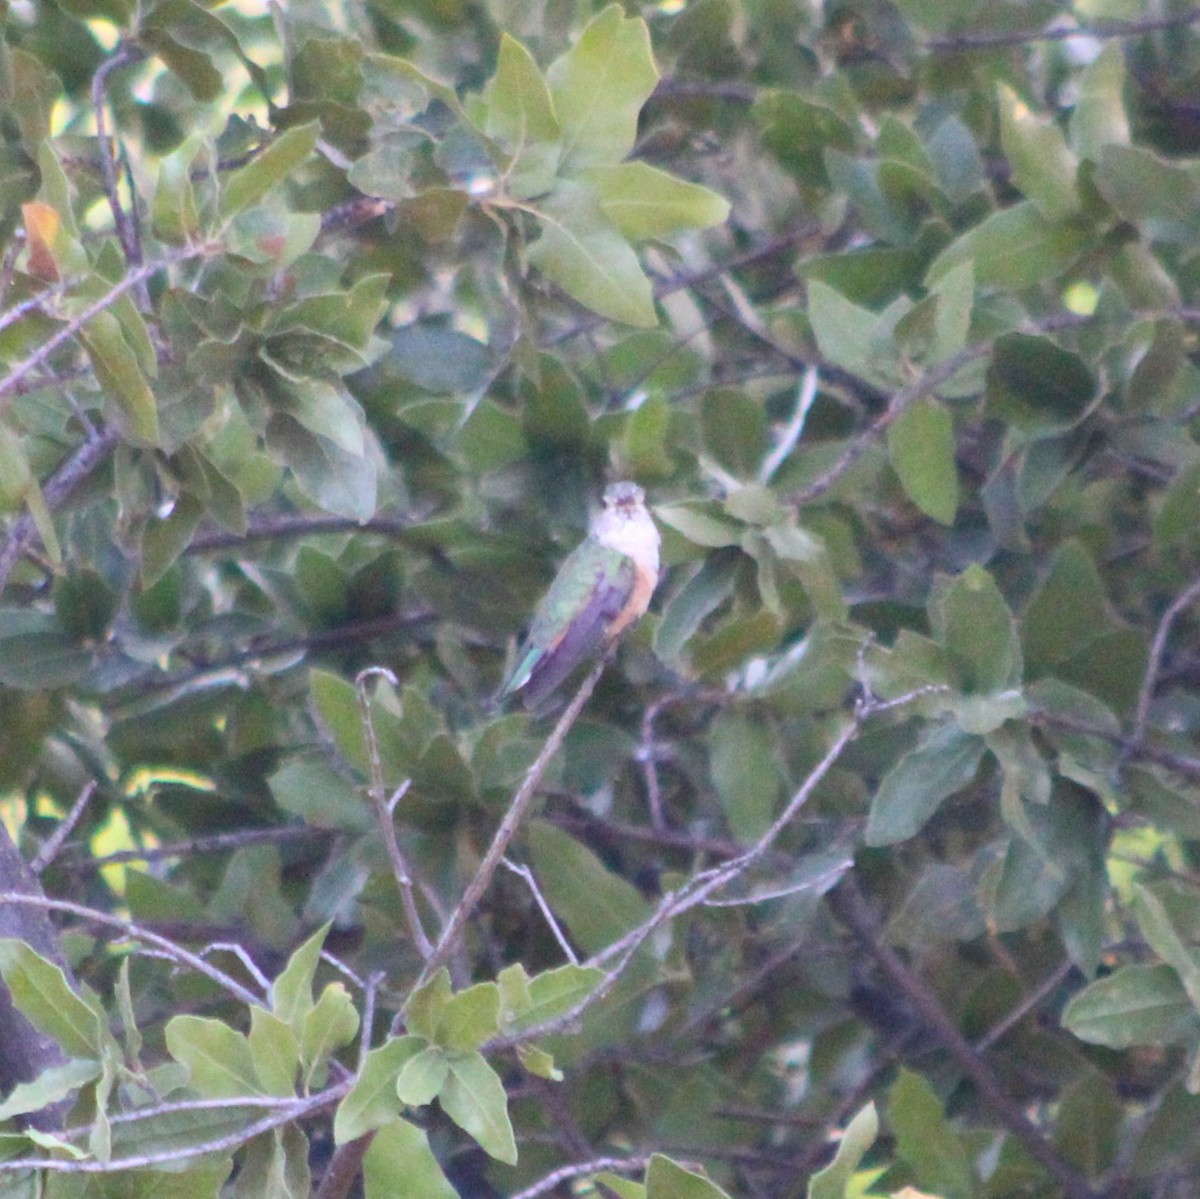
{"x": 851, "y": 908}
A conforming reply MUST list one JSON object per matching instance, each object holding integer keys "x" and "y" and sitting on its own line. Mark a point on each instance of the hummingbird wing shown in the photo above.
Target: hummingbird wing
{"x": 590, "y": 591}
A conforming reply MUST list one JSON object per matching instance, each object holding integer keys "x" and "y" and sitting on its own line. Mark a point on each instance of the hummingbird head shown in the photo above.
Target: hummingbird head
{"x": 625, "y": 498}
{"x": 624, "y": 524}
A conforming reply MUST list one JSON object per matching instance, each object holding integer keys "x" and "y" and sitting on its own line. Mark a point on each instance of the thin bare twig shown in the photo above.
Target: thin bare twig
{"x": 482, "y": 877}
{"x": 78, "y": 857}
{"x": 1061, "y": 32}
{"x": 54, "y": 842}
{"x": 285, "y": 1115}
{"x": 136, "y": 932}
{"x": 385, "y": 812}
{"x": 805, "y": 396}
{"x": 127, "y": 232}
{"x": 72, "y": 472}
{"x": 699, "y": 887}
{"x": 617, "y": 1165}
{"x": 1158, "y": 647}
{"x": 523, "y": 872}
{"x": 129, "y": 281}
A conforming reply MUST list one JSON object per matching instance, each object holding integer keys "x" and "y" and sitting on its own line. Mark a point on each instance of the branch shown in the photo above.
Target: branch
{"x": 135, "y": 931}
{"x": 580, "y": 1170}
{"x": 127, "y": 232}
{"x": 1057, "y": 32}
{"x": 234, "y": 1140}
{"x": 851, "y": 908}
{"x": 508, "y": 827}
{"x": 1158, "y": 648}
{"x": 78, "y": 857}
{"x": 68, "y": 476}
{"x": 385, "y": 813}
{"x": 273, "y": 528}
{"x": 42, "y": 354}
{"x": 928, "y": 381}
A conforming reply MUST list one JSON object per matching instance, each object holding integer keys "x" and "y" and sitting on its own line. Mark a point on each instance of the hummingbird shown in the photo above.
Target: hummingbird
{"x": 602, "y": 588}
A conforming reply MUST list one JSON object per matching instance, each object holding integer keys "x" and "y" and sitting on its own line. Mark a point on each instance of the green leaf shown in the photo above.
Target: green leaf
{"x": 473, "y": 1097}
{"x": 423, "y": 1010}
{"x": 972, "y": 620}
{"x": 331, "y": 1025}
{"x": 912, "y": 791}
{"x": 589, "y": 259}
{"x": 373, "y": 1101}
{"x": 519, "y": 115}
{"x": 163, "y": 540}
{"x": 469, "y": 1018}
{"x": 1099, "y": 118}
{"x": 291, "y": 992}
{"x": 1037, "y": 386}
{"x": 1135, "y": 1005}
{"x": 597, "y": 905}
{"x": 400, "y": 1165}
{"x": 310, "y": 787}
{"x": 41, "y": 993}
{"x": 249, "y": 184}
{"x": 955, "y": 292}
{"x": 117, "y": 369}
{"x": 274, "y": 1165}
{"x": 1089, "y": 1122}
{"x": 700, "y": 525}
{"x": 1157, "y": 926}
{"x": 1043, "y": 167}
{"x": 599, "y": 87}
{"x": 528, "y": 1002}
{"x": 1161, "y": 198}
{"x": 925, "y": 1139}
{"x": 744, "y": 771}
{"x": 921, "y": 449}
{"x": 1068, "y": 612}
{"x": 218, "y": 1058}
{"x": 667, "y": 1180}
{"x": 698, "y": 598}
{"x": 275, "y": 1050}
{"x": 422, "y": 1077}
{"x": 848, "y": 335}
{"x": 51, "y": 1085}
{"x": 1012, "y": 249}
{"x": 644, "y": 202}
{"x": 860, "y": 1134}
{"x": 342, "y": 483}
{"x": 623, "y": 1188}
{"x": 173, "y": 213}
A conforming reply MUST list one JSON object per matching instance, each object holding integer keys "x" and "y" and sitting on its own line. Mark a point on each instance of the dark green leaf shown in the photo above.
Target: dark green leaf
{"x": 920, "y": 782}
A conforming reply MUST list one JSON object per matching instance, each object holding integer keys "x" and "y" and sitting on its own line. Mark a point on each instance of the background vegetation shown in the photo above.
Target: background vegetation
{"x": 320, "y": 326}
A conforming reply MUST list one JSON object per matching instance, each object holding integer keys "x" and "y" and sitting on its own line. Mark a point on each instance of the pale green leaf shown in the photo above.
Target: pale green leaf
{"x": 373, "y": 1101}
{"x": 860, "y": 1134}
{"x": 921, "y": 449}
{"x": 599, "y": 87}
{"x": 248, "y": 184}
{"x": 291, "y": 992}
{"x": 400, "y": 1165}
{"x": 41, "y": 993}
{"x": 589, "y": 259}
{"x": 473, "y": 1097}
{"x": 218, "y": 1058}
{"x": 644, "y": 202}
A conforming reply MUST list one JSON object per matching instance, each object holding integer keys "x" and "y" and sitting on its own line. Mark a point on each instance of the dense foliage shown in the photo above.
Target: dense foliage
{"x": 870, "y": 863}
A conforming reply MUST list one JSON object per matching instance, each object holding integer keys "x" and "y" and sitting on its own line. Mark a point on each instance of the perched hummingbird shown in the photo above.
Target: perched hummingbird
{"x": 600, "y": 590}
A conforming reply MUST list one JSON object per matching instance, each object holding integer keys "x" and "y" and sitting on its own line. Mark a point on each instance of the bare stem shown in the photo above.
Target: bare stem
{"x": 384, "y": 815}
{"x": 508, "y": 826}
